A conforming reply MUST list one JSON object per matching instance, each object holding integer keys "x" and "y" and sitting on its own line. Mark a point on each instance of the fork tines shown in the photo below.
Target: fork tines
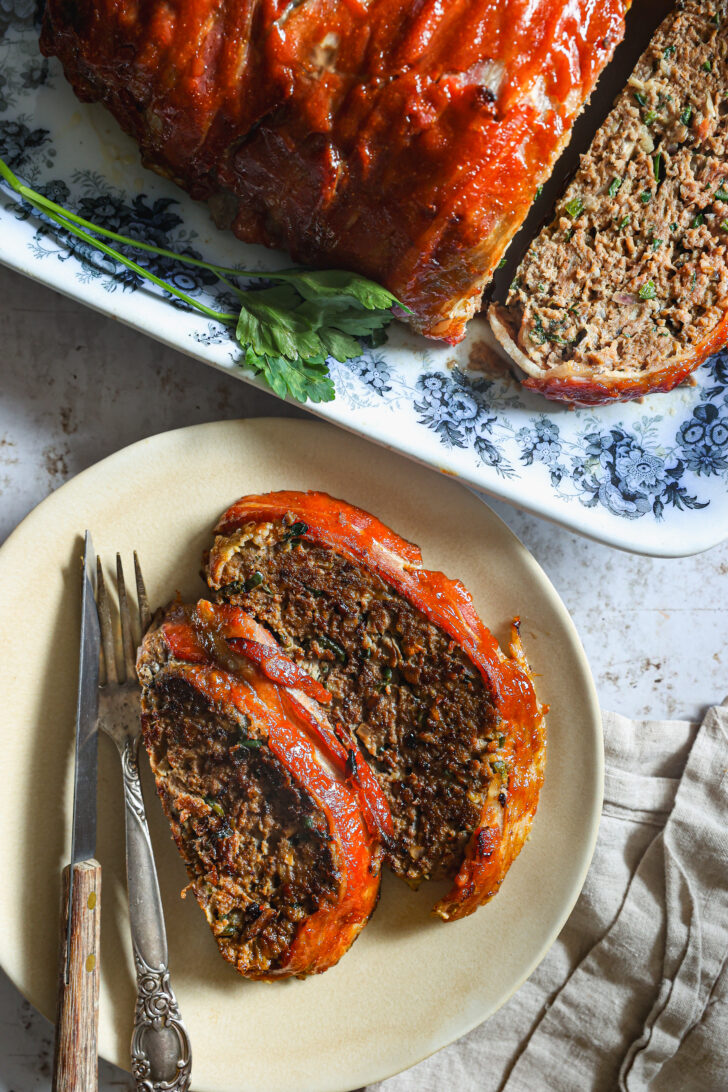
{"x": 121, "y": 670}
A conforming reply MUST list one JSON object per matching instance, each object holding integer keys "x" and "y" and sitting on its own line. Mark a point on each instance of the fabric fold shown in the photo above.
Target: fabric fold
{"x": 634, "y": 993}
{"x": 695, "y": 909}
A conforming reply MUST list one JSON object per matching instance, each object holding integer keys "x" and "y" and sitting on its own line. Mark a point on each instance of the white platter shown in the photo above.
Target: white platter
{"x": 649, "y": 478}
{"x": 410, "y": 984}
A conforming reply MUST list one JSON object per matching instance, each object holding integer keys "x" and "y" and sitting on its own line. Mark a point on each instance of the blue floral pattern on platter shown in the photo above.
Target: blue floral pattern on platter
{"x": 631, "y": 463}
{"x": 629, "y": 472}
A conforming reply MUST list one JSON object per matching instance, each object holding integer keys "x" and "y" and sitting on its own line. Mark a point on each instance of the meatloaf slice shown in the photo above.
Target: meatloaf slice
{"x": 626, "y": 290}
{"x": 449, "y": 726}
{"x": 268, "y": 821}
{"x": 404, "y": 141}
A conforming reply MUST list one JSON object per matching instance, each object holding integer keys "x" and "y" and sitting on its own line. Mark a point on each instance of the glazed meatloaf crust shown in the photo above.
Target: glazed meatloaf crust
{"x": 626, "y": 290}
{"x": 403, "y": 141}
{"x": 280, "y": 839}
{"x": 449, "y": 725}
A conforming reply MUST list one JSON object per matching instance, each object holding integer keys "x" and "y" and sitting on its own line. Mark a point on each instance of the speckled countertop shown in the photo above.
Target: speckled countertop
{"x": 76, "y": 387}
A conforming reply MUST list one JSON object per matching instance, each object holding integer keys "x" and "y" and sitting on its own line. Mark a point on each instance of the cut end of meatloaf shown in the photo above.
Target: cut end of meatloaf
{"x": 256, "y": 845}
{"x": 626, "y": 290}
{"x": 407, "y": 694}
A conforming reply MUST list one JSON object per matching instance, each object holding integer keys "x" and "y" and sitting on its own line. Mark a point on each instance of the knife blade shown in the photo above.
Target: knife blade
{"x": 83, "y": 843}
{"x": 75, "y": 1061}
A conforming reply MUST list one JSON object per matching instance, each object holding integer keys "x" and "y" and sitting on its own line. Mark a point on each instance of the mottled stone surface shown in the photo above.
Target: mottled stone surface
{"x": 75, "y": 387}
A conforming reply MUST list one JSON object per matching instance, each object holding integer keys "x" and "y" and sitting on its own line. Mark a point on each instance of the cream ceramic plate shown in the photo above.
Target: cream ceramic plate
{"x": 410, "y": 984}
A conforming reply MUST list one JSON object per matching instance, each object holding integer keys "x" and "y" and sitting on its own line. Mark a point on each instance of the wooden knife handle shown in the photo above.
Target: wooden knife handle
{"x": 75, "y": 1060}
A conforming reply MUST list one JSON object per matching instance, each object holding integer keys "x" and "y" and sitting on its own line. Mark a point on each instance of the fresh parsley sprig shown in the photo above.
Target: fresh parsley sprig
{"x": 287, "y": 330}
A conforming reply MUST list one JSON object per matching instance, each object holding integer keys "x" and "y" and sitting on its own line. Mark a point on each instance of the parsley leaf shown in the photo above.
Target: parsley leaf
{"x": 287, "y": 329}
{"x": 308, "y": 379}
{"x": 337, "y": 284}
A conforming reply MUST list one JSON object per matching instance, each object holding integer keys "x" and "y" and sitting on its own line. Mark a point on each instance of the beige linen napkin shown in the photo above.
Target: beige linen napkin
{"x": 634, "y": 993}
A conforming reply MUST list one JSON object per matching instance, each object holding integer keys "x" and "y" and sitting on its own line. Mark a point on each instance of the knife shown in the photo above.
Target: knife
{"x": 75, "y": 1061}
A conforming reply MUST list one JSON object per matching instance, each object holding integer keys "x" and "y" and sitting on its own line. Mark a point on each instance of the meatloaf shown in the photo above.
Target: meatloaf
{"x": 404, "y": 141}
{"x": 626, "y": 290}
{"x": 280, "y": 838}
{"x": 450, "y": 726}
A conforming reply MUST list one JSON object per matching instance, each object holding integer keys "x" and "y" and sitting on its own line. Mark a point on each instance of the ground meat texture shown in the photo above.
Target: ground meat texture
{"x": 402, "y": 688}
{"x": 256, "y": 845}
{"x": 632, "y": 272}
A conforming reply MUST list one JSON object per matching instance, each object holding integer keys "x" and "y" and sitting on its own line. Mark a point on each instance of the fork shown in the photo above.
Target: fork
{"x": 160, "y": 1045}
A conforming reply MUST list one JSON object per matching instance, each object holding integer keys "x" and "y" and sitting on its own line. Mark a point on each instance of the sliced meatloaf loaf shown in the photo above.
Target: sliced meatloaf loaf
{"x": 626, "y": 290}
{"x": 449, "y": 726}
{"x": 404, "y": 141}
{"x": 280, "y": 840}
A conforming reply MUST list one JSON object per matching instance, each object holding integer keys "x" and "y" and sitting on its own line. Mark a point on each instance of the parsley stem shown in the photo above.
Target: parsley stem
{"x": 220, "y": 316}
{"x": 76, "y": 225}
{"x": 287, "y": 333}
{"x": 49, "y": 206}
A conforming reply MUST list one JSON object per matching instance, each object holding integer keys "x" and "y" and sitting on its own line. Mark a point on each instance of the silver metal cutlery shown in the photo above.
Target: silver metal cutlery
{"x": 160, "y": 1046}
{"x": 108, "y": 698}
{"x": 75, "y": 1061}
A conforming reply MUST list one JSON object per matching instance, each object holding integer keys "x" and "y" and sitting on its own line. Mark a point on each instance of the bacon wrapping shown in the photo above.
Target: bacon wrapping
{"x": 450, "y": 726}
{"x": 403, "y": 141}
{"x": 281, "y": 841}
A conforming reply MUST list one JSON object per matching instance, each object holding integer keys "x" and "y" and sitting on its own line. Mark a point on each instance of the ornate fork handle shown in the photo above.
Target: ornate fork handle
{"x": 160, "y": 1046}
